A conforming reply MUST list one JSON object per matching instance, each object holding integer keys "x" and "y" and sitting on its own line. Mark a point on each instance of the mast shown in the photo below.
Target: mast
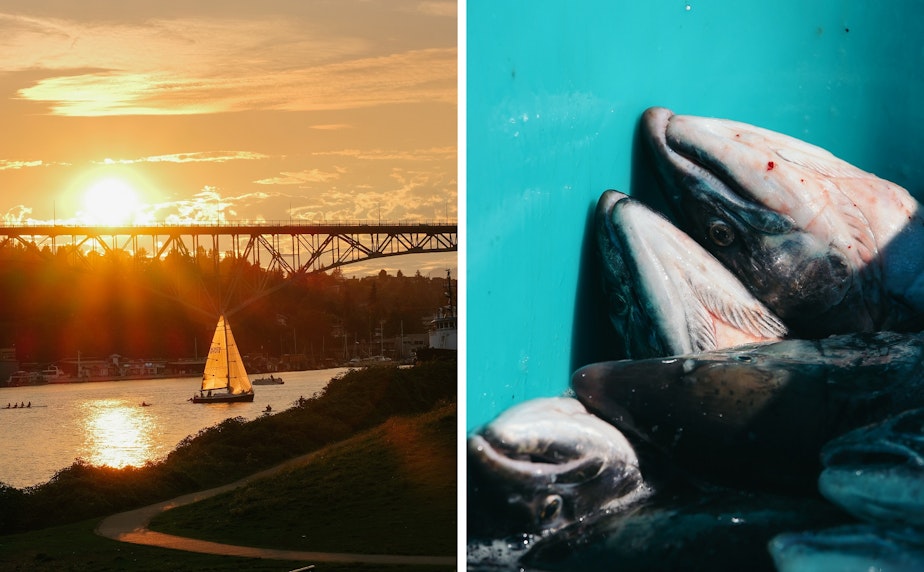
{"x": 449, "y": 292}
{"x": 227, "y": 356}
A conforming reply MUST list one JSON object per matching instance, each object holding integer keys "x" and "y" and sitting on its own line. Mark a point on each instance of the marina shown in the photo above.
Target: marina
{"x": 120, "y": 423}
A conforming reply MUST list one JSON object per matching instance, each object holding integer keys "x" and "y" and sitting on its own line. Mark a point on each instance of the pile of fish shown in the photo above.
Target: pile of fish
{"x": 769, "y": 412}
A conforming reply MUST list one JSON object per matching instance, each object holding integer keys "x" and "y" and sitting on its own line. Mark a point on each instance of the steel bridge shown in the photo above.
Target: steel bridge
{"x": 292, "y": 247}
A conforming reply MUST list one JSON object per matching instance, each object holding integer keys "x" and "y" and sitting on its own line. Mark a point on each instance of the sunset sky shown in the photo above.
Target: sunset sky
{"x": 320, "y": 110}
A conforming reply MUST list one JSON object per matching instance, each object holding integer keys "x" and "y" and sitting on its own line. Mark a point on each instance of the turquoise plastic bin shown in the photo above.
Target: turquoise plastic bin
{"x": 554, "y": 95}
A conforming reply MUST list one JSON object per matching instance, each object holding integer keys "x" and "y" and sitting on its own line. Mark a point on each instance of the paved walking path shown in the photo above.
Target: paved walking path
{"x": 131, "y": 527}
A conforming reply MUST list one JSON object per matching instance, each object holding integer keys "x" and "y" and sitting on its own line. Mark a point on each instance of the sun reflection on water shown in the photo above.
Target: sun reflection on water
{"x": 118, "y": 434}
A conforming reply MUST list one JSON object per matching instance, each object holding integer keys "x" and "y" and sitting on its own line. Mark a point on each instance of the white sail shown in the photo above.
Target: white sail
{"x": 224, "y": 368}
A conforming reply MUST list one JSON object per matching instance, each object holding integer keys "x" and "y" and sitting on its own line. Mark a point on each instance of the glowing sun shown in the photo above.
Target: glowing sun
{"x": 112, "y": 202}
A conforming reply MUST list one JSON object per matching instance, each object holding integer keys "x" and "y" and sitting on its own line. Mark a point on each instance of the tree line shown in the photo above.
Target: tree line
{"x": 56, "y": 305}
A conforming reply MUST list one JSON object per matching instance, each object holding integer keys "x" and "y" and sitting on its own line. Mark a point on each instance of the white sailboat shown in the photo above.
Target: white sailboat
{"x": 224, "y": 379}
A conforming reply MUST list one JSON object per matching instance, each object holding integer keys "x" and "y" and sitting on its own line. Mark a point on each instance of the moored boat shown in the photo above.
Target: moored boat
{"x": 224, "y": 379}
{"x": 21, "y": 378}
{"x": 271, "y": 380}
{"x": 54, "y": 374}
{"x": 443, "y": 331}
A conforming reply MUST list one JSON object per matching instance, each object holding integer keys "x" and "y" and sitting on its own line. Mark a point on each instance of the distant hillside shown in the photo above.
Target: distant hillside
{"x": 147, "y": 308}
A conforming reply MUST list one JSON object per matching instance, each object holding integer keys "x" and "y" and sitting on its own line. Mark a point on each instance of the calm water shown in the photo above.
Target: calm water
{"x": 104, "y": 422}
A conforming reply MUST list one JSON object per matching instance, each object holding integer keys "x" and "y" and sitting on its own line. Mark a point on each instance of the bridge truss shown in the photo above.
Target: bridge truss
{"x": 293, "y": 248}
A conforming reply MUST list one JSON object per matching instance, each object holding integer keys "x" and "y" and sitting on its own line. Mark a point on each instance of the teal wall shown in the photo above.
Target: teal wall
{"x": 554, "y": 94}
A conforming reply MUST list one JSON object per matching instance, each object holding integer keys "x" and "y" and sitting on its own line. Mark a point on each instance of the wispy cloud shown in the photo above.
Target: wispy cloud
{"x": 432, "y": 154}
{"x": 332, "y": 127}
{"x": 412, "y": 195}
{"x": 7, "y": 165}
{"x": 302, "y": 177}
{"x": 193, "y": 157}
{"x": 437, "y": 8}
{"x": 208, "y": 205}
{"x": 17, "y": 215}
{"x": 196, "y": 66}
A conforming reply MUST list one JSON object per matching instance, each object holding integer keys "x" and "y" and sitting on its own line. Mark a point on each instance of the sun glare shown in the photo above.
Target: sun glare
{"x": 117, "y": 434}
{"x": 111, "y": 202}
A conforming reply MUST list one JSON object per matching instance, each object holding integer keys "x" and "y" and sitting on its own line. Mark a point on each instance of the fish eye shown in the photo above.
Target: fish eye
{"x": 551, "y": 508}
{"x": 720, "y": 232}
{"x": 617, "y": 304}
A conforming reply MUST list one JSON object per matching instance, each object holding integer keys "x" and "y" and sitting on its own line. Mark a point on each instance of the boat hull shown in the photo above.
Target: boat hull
{"x": 224, "y": 398}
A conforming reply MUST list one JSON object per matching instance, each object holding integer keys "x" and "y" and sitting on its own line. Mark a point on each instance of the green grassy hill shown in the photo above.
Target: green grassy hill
{"x": 391, "y": 490}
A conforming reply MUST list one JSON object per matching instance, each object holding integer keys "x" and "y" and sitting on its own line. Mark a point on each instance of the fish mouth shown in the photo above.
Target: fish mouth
{"x": 545, "y": 463}
{"x": 559, "y": 465}
{"x": 864, "y": 467}
{"x": 862, "y": 478}
{"x": 665, "y": 293}
{"x": 893, "y": 443}
{"x": 882, "y": 455}
{"x": 687, "y": 168}
{"x": 635, "y": 310}
{"x": 548, "y": 441}
{"x": 811, "y": 550}
{"x": 606, "y": 388}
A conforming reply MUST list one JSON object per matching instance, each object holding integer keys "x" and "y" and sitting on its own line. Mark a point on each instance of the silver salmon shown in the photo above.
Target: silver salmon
{"x": 544, "y": 464}
{"x": 828, "y": 247}
{"x": 876, "y": 472}
{"x": 758, "y": 414}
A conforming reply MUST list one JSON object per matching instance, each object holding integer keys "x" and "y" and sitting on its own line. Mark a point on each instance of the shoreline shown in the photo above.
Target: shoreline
{"x": 139, "y": 377}
{"x": 143, "y": 377}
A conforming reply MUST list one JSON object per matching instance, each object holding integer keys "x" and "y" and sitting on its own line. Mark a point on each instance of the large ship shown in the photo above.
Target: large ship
{"x": 443, "y": 330}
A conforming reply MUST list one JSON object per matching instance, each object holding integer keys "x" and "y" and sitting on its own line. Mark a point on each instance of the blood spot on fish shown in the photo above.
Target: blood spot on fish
{"x": 770, "y": 165}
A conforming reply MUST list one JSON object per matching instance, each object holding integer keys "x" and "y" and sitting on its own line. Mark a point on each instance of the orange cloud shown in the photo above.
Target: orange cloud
{"x": 432, "y": 154}
{"x": 192, "y": 157}
{"x": 196, "y": 66}
{"x": 5, "y": 165}
{"x": 301, "y": 177}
